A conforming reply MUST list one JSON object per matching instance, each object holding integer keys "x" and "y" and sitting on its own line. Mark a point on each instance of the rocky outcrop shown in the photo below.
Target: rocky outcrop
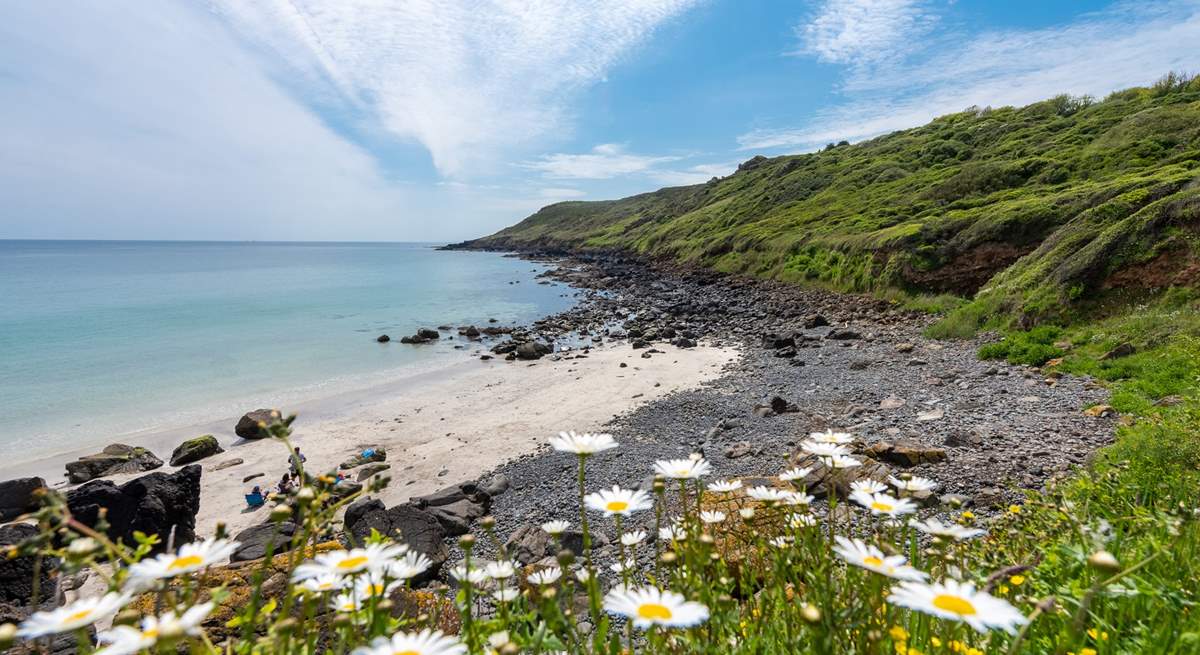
{"x": 194, "y": 450}
{"x": 251, "y": 423}
{"x": 256, "y": 540}
{"x": 16, "y": 573}
{"x": 423, "y": 335}
{"x": 158, "y": 503}
{"x": 906, "y": 452}
{"x": 456, "y": 507}
{"x": 17, "y": 497}
{"x": 407, "y": 524}
{"x": 113, "y": 460}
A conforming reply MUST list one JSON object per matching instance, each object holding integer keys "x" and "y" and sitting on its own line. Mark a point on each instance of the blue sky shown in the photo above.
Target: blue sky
{"x": 448, "y": 119}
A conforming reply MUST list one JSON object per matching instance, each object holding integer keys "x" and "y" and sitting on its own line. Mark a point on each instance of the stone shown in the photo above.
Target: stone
{"x": 989, "y": 497}
{"x": 497, "y": 485}
{"x": 821, "y": 478}
{"x": 1100, "y": 411}
{"x": 358, "y": 459}
{"x": 934, "y": 414}
{"x": 906, "y": 452}
{"x": 16, "y": 573}
{"x": 528, "y": 351}
{"x": 371, "y": 469}
{"x": 255, "y": 541}
{"x": 776, "y": 341}
{"x": 1121, "y": 350}
{"x": 407, "y": 524}
{"x": 739, "y": 449}
{"x": 963, "y": 439}
{"x": 158, "y": 503}
{"x": 892, "y": 402}
{"x": 456, "y": 507}
{"x": 196, "y": 449}
{"x": 113, "y": 460}
{"x": 528, "y": 544}
{"x": 815, "y": 321}
{"x": 383, "y": 338}
{"x": 843, "y": 334}
{"x": 226, "y": 464}
{"x": 905, "y": 347}
{"x": 17, "y": 497}
{"x": 248, "y": 426}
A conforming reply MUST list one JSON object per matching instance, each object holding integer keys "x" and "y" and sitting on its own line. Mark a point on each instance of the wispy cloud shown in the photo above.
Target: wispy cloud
{"x": 693, "y": 174}
{"x": 560, "y": 193}
{"x": 865, "y": 31}
{"x": 605, "y": 161}
{"x": 465, "y": 78}
{"x": 1129, "y": 45}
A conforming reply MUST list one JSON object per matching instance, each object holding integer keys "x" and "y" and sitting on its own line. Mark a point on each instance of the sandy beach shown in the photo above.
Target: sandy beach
{"x": 439, "y": 427}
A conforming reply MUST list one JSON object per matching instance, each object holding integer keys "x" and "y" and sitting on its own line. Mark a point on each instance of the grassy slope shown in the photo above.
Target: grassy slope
{"x": 1081, "y": 218}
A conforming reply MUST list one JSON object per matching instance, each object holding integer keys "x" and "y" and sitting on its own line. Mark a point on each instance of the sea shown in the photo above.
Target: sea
{"x": 104, "y": 339}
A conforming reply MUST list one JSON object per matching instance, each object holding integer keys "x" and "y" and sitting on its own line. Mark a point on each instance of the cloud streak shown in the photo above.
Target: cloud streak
{"x": 865, "y": 31}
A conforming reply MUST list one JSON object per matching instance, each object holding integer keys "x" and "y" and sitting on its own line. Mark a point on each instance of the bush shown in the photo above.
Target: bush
{"x": 1032, "y": 348}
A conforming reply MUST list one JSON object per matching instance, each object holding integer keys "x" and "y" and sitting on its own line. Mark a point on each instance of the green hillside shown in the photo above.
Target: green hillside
{"x": 1028, "y": 211}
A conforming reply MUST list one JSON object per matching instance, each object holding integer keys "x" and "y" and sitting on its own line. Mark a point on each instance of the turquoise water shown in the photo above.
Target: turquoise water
{"x": 99, "y": 339}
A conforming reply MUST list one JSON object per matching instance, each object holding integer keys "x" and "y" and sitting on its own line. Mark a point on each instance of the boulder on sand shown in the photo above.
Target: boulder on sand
{"x": 255, "y": 541}
{"x": 249, "y": 426}
{"x": 196, "y": 449}
{"x": 456, "y": 507}
{"x": 16, "y": 573}
{"x": 407, "y": 524}
{"x": 158, "y": 503}
{"x": 114, "y": 459}
{"x": 16, "y": 497}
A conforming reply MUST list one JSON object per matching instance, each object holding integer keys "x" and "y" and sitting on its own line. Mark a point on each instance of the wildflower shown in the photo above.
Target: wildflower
{"x": 628, "y": 564}
{"x": 582, "y": 444}
{"x": 324, "y": 583}
{"x": 546, "y": 576}
{"x": 780, "y": 542}
{"x": 350, "y": 562}
{"x": 1014, "y": 509}
{"x": 425, "y": 642}
{"x": 802, "y": 521}
{"x": 190, "y": 557}
{"x": 506, "y": 595}
{"x": 898, "y": 633}
{"x": 472, "y": 576}
{"x": 618, "y": 501}
{"x": 866, "y": 556}
{"x": 767, "y": 494}
{"x": 915, "y": 483}
{"x": 72, "y": 616}
{"x": 347, "y": 602}
{"x": 649, "y": 606}
{"x": 555, "y": 528}
{"x": 958, "y": 601}
{"x": 1016, "y": 580}
{"x": 938, "y": 529}
{"x": 841, "y": 462}
{"x": 712, "y": 517}
{"x": 746, "y": 513}
{"x": 374, "y": 586}
{"x": 127, "y": 639}
{"x": 410, "y": 565}
{"x": 583, "y": 575}
{"x": 824, "y": 450}
{"x": 868, "y": 486}
{"x": 829, "y": 436}
{"x": 682, "y": 469}
{"x": 633, "y": 538}
{"x": 725, "y": 486}
{"x": 1104, "y": 561}
{"x": 501, "y": 570}
{"x": 883, "y": 504}
{"x": 798, "y": 498}
{"x": 796, "y": 473}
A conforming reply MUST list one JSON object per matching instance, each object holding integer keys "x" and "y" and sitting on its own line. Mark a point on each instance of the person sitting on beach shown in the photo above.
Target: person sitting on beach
{"x": 256, "y": 498}
{"x": 286, "y": 487}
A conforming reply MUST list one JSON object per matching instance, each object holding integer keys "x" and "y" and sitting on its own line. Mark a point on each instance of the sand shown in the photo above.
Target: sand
{"x": 439, "y": 427}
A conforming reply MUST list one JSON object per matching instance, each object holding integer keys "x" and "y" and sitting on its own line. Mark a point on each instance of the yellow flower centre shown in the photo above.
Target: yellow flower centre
{"x": 185, "y": 562}
{"x": 871, "y": 560}
{"x": 407, "y": 652}
{"x": 654, "y": 612}
{"x": 954, "y": 605}
{"x": 683, "y": 473}
{"x": 352, "y": 562}
{"x": 617, "y": 506}
{"x": 881, "y": 507}
{"x": 80, "y": 615}
{"x": 152, "y": 633}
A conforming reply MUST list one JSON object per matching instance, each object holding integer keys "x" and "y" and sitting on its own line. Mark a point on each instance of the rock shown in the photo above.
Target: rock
{"x": 456, "y": 507}
{"x": 905, "y": 347}
{"x": 113, "y": 460}
{"x": 892, "y": 402}
{"x": 963, "y": 439}
{"x": 821, "y": 477}
{"x": 683, "y": 342}
{"x": 356, "y": 510}
{"x": 229, "y": 463}
{"x": 860, "y": 364}
{"x": 1100, "y": 411}
{"x": 248, "y": 427}
{"x": 917, "y": 362}
{"x": 255, "y": 541}
{"x": 376, "y": 455}
{"x": 195, "y": 449}
{"x": 428, "y": 334}
{"x": 252, "y": 476}
{"x": 16, "y": 574}
{"x": 420, "y": 530}
{"x": 496, "y": 486}
{"x": 528, "y": 544}
{"x": 774, "y": 341}
{"x": 158, "y": 503}
{"x": 528, "y": 351}
{"x": 739, "y": 449}
{"x": 989, "y": 497}
{"x": 786, "y": 353}
{"x": 371, "y": 469}
{"x": 815, "y": 321}
{"x": 17, "y": 497}
{"x": 345, "y": 488}
{"x": 934, "y": 414}
{"x": 383, "y": 338}
{"x": 1122, "y": 350}
{"x": 471, "y": 332}
{"x": 1168, "y": 401}
{"x": 906, "y": 452}
{"x": 61, "y": 644}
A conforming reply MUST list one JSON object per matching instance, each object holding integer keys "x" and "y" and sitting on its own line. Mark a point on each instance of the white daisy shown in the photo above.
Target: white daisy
{"x": 374, "y": 585}
{"x": 349, "y": 562}
{"x": 633, "y": 538}
{"x": 958, "y": 601}
{"x": 683, "y": 469}
{"x": 952, "y": 531}
{"x": 324, "y": 583}
{"x": 582, "y": 444}
{"x": 913, "y": 484}
{"x": 802, "y": 521}
{"x": 712, "y": 517}
{"x": 866, "y": 556}
{"x": 409, "y": 566}
{"x": 474, "y": 576}
{"x": 725, "y": 486}
{"x": 190, "y": 557}
{"x": 798, "y": 498}
{"x": 346, "y": 602}
{"x": 628, "y": 564}
{"x": 672, "y": 533}
{"x": 824, "y": 450}
{"x": 583, "y": 575}
{"x": 618, "y": 501}
{"x": 546, "y": 576}
{"x": 746, "y": 513}
{"x": 796, "y": 473}
{"x": 72, "y": 616}
{"x": 767, "y": 494}
{"x": 780, "y": 542}
{"x": 425, "y": 642}
{"x": 127, "y": 639}
{"x": 649, "y": 606}
{"x": 841, "y": 462}
{"x": 501, "y": 570}
{"x": 506, "y": 595}
{"x": 555, "y": 528}
{"x": 883, "y": 504}
{"x": 868, "y": 486}
{"x": 829, "y": 436}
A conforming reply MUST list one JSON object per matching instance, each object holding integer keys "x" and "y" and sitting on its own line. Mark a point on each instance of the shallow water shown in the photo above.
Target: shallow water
{"x": 100, "y": 339}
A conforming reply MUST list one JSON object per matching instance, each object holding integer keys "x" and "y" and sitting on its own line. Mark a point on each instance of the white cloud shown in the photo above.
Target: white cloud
{"x": 865, "y": 31}
{"x": 605, "y": 161}
{"x": 1127, "y": 46}
{"x": 693, "y": 174}
{"x": 467, "y": 79}
{"x": 561, "y": 193}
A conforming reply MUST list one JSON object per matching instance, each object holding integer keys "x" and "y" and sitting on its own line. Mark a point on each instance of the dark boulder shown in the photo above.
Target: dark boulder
{"x": 843, "y": 334}
{"x": 1122, "y": 350}
{"x": 17, "y": 497}
{"x": 257, "y": 539}
{"x": 16, "y": 573}
{"x": 407, "y": 524}
{"x": 906, "y": 452}
{"x": 383, "y": 338}
{"x": 251, "y": 424}
{"x": 194, "y": 450}
{"x": 776, "y": 341}
{"x": 815, "y": 321}
{"x": 456, "y": 507}
{"x": 158, "y": 503}
{"x": 115, "y": 459}
{"x": 429, "y": 334}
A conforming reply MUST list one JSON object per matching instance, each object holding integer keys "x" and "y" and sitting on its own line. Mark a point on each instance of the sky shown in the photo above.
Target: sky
{"x": 442, "y": 120}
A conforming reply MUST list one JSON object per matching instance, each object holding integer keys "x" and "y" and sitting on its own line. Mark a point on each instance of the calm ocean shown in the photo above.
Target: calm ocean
{"x": 99, "y": 339}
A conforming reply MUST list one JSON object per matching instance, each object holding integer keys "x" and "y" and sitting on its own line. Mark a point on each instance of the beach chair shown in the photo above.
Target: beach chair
{"x": 255, "y": 500}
